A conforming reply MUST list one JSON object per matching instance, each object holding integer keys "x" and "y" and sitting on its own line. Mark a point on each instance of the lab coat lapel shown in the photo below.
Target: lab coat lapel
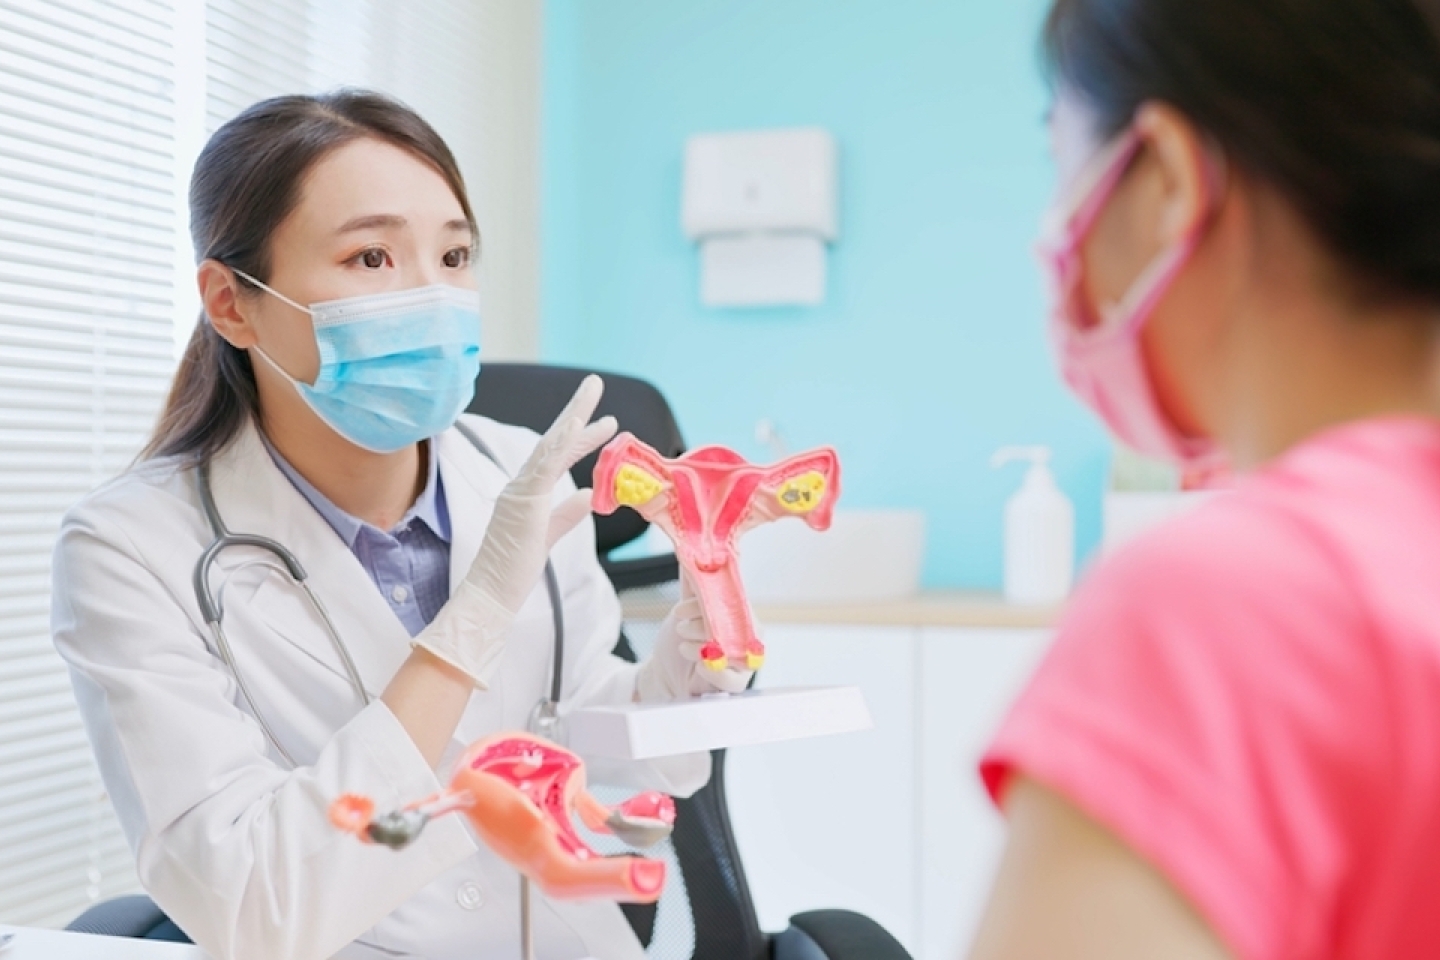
{"x": 472, "y": 484}
{"x": 253, "y": 496}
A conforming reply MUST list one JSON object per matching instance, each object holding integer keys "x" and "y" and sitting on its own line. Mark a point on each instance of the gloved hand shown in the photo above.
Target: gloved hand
{"x": 673, "y": 670}
{"x": 469, "y": 631}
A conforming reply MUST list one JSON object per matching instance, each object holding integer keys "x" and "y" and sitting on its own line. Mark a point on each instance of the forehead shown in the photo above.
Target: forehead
{"x": 369, "y": 176}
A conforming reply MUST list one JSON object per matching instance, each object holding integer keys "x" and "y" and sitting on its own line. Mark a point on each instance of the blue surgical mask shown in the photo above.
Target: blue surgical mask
{"x": 395, "y": 368}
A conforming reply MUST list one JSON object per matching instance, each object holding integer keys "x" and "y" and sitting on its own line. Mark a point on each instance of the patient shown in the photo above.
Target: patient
{"x": 1233, "y": 749}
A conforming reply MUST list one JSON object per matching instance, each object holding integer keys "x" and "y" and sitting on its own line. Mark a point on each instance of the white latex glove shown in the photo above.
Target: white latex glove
{"x": 673, "y": 670}
{"x": 469, "y": 631}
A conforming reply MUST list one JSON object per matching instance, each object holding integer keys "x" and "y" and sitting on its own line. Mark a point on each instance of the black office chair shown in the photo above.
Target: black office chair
{"x": 715, "y": 893}
{"x": 725, "y": 923}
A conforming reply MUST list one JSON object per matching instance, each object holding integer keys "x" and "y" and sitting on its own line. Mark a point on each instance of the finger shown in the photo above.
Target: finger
{"x": 731, "y": 681}
{"x": 689, "y": 649}
{"x": 567, "y": 516}
{"x": 547, "y": 461}
{"x": 590, "y": 439}
{"x": 587, "y": 397}
{"x": 690, "y": 628}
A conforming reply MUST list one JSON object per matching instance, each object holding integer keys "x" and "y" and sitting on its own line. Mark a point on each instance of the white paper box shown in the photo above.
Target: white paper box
{"x": 643, "y": 731}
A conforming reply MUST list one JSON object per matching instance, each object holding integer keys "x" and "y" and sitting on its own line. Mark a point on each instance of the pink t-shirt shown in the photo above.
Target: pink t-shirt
{"x": 1249, "y": 697}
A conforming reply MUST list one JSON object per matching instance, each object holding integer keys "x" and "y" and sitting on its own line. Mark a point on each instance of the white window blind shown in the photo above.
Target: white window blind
{"x": 87, "y": 233}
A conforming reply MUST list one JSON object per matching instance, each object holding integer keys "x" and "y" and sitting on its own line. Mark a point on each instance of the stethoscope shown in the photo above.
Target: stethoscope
{"x": 544, "y": 719}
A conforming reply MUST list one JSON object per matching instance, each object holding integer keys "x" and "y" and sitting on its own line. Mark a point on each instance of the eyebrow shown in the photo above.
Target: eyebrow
{"x": 391, "y": 221}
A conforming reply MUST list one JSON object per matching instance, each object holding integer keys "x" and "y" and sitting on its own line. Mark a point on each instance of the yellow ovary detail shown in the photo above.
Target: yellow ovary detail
{"x": 634, "y": 486}
{"x": 803, "y": 493}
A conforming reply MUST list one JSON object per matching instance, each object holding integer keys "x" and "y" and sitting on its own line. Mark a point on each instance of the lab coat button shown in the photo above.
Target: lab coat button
{"x": 399, "y": 594}
{"x": 468, "y": 896}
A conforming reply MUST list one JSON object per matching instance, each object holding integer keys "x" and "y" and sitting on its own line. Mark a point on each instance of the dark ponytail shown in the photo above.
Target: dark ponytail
{"x": 1334, "y": 103}
{"x": 247, "y": 181}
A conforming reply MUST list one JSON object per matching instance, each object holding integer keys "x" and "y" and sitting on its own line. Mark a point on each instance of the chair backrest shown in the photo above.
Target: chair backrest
{"x": 725, "y": 923}
{"x": 532, "y": 395}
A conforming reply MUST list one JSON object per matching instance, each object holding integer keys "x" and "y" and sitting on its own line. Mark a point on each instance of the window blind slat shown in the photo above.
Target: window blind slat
{"x": 87, "y": 271}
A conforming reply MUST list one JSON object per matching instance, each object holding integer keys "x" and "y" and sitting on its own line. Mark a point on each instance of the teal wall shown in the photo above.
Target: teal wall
{"x": 929, "y": 351}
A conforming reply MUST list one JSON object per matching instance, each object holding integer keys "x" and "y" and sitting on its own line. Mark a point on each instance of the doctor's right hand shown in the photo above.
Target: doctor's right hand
{"x": 469, "y": 631}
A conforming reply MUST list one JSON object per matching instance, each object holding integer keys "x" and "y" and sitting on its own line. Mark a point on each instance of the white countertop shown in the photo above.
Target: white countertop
{"x": 939, "y": 608}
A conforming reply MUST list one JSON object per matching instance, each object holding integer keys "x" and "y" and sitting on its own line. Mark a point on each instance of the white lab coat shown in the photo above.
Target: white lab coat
{"x": 233, "y": 844}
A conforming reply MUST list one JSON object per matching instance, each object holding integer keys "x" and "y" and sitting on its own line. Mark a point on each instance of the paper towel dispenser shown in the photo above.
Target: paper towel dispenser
{"x": 762, "y": 206}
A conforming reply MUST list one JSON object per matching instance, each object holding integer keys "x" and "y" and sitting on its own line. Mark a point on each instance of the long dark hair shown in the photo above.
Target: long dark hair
{"x": 246, "y": 182}
{"x": 1335, "y": 104}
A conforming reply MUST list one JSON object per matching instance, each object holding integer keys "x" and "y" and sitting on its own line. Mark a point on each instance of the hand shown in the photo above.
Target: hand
{"x": 469, "y": 631}
{"x": 673, "y": 670}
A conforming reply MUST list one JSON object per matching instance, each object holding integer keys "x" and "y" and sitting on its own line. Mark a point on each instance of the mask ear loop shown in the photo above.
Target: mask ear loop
{"x": 1152, "y": 282}
{"x": 274, "y": 293}
{"x": 270, "y": 290}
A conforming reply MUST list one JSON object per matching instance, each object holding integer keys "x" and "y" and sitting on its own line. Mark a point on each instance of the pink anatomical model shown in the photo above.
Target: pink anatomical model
{"x": 519, "y": 792}
{"x": 705, "y": 500}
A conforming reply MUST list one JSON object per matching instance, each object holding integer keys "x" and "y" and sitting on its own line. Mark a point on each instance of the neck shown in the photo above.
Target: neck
{"x": 378, "y": 488}
{"x": 1308, "y": 367}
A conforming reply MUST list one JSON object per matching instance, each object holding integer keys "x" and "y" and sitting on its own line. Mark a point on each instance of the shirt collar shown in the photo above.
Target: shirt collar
{"x": 428, "y": 508}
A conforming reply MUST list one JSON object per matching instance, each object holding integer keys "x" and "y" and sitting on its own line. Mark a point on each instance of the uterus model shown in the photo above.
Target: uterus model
{"x": 518, "y": 793}
{"x": 705, "y": 501}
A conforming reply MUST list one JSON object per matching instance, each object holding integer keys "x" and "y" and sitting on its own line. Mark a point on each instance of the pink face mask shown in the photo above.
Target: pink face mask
{"x": 1101, "y": 356}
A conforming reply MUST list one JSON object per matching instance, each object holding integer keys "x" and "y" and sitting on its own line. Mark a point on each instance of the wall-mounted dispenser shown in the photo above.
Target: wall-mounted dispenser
{"x": 762, "y": 206}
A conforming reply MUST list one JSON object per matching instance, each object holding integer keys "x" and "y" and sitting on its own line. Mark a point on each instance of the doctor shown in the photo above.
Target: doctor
{"x": 315, "y": 402}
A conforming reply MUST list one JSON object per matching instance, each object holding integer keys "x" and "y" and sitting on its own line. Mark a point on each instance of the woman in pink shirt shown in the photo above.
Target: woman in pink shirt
{"x": 1233, "y": 748}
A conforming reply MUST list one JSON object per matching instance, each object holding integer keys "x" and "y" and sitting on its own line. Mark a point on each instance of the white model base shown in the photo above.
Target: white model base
{"x": 643, "y": 731}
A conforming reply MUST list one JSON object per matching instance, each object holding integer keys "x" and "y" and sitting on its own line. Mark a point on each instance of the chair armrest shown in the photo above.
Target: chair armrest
{"x": 836, "y": 935}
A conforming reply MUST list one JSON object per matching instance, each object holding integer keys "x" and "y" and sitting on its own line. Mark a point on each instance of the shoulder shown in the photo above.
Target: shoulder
{"x": 1239, "y": 551}
{"x": 147, "y": 497}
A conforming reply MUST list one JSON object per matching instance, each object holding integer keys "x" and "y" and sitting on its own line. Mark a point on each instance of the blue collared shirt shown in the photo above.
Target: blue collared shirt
{"x": 411, "y": 563}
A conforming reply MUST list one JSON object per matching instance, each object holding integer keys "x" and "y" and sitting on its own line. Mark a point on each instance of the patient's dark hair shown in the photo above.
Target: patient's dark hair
{"x": 1333, "y": 103}
{"x": 246, "y": 182}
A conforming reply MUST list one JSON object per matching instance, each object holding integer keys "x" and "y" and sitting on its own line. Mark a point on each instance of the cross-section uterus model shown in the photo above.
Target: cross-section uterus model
{"x": 705, "y": 501}
{"x": 519, "y": 792}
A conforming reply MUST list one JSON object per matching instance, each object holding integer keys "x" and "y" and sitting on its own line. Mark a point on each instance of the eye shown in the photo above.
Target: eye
{"x": 456, "y": 257}
{"x": 371, "y": 258}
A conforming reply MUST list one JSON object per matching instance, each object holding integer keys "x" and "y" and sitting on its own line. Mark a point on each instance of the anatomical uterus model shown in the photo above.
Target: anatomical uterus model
{"x": 518, "y": 792}
{"x": 705, "y": 501}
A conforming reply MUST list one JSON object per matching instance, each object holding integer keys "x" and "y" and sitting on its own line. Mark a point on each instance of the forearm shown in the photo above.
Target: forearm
{"x": 428, "y": 696}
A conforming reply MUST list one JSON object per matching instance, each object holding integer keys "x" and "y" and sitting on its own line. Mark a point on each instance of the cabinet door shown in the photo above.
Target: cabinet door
{"x": 831, "y": 822}
{"x": 968, "y": 678}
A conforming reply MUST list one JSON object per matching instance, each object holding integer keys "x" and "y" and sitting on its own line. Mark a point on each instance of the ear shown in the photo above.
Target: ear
{"x": 1189, "y": 170}
{"x": 221, "y": 297}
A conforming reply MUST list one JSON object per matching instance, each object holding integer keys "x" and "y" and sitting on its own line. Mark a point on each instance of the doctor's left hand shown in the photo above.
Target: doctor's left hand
{"x": 674, "y": 670}
{"x": 470, "y": 629}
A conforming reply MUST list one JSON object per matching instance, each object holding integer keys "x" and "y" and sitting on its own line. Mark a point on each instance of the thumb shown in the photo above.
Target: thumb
{"x": 567, "y": 516}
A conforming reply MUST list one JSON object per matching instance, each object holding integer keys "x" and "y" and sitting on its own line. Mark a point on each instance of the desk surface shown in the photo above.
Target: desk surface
{"x": 34, "y": 944}
{"x": 939, "y": 608}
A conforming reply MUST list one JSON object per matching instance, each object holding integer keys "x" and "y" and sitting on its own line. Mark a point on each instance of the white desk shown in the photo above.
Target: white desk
{"x": 34, "y": 944}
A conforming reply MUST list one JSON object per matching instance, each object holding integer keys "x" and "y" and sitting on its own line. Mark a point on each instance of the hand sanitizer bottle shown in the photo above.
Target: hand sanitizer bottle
{"x": 1039, "y": 532}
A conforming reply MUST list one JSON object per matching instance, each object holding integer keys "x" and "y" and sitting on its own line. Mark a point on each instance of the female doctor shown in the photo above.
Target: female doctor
{"x": 315, "y": 405}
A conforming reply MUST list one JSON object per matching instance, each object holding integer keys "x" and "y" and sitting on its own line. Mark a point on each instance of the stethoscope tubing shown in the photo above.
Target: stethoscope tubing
{"x": 212, "y": 610}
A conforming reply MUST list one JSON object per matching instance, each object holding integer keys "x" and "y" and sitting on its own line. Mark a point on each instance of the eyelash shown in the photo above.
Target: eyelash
{"x": 359, "y": 258}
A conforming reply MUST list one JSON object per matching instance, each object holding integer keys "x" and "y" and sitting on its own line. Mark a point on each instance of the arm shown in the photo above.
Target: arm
{"x": 235, "y": 848}
{"x": 1068, "y": 889}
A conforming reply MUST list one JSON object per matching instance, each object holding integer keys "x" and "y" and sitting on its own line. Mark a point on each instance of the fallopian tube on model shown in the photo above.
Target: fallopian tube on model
{"x": 705, "y": 500}
{"x": 519, "y": 792}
